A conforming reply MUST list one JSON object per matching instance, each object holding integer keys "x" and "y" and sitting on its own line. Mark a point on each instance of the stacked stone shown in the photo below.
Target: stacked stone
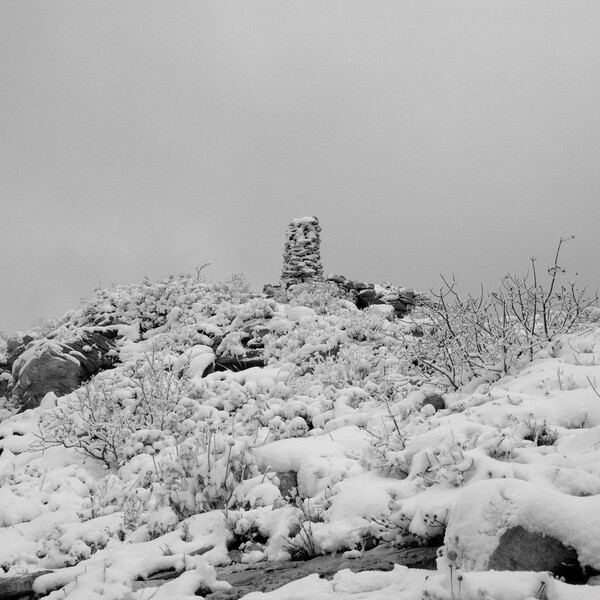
{"x": 301, "y": 255}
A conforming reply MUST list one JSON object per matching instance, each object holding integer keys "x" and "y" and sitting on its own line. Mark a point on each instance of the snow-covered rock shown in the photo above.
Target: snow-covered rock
{"x": 488, "y": 510}
{"x": 59, "y": 367}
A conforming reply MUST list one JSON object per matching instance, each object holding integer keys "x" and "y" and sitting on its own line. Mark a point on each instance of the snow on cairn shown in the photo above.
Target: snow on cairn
{"x": 302, "y": 255}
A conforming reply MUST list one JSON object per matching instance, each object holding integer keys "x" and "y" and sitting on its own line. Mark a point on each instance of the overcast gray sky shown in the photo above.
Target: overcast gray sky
{"x": 146, "y": 138}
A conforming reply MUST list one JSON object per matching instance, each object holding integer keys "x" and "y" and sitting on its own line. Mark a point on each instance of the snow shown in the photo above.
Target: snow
{"x": 197, "y": 359}
{"x": 199, "y": 460}
{"x": 263, "y": 494}
{"x": 399, "y": 583}
{"x": 185, "y": 586}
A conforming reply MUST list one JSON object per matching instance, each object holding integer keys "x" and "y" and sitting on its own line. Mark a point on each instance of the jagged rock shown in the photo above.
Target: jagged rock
{"x": 521, "y": 550}
{"x": 59, "y": 367}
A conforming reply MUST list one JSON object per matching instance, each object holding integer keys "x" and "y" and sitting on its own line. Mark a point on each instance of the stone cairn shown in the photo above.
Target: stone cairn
{"x": 302, "y": 255}
{"x": 302, "y": 264}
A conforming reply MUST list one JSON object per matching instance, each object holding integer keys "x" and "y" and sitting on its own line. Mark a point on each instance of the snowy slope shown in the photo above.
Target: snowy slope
{"x": 155, "y": 466}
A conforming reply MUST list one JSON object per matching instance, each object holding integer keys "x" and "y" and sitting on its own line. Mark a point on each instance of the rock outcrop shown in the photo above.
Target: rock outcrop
{"x": 265, "y": 577}
{"x": 401, "y": 299}
{"x": 60, "y": 367}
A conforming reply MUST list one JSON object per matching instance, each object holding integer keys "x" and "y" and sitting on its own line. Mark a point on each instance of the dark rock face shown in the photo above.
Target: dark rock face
{"x": 265, "y": 577}
{"x": 59, "y": 367}
{"x": 521, "y": 550}
{"x": 268, "y": 576}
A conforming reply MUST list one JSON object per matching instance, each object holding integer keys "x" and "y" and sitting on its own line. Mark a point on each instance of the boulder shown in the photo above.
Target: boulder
{"x": 400, "y": 307}
{"x": 434, "y": 400}
{"x": 59, "y": 367}
{"x": 522, "y": 550}
{"x": 367, "y": 297}
{"x": 339, "y": 279}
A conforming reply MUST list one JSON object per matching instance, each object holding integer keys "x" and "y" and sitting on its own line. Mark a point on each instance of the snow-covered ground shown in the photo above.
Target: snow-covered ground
{"x": 155, "y": 467}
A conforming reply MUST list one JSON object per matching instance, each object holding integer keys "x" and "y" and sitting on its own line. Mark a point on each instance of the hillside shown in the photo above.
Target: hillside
{"x": 192, "y": 426}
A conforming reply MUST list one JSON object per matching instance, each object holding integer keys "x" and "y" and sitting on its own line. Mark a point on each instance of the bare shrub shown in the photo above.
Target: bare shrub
{"x": 99, "y": 418}
{"x": 493, "y": 332}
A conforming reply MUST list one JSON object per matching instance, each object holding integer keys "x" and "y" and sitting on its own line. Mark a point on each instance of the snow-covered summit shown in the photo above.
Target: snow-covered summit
{"x": 241, "y": 428}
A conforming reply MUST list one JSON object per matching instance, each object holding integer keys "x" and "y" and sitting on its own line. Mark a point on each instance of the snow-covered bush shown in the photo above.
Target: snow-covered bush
{"x": 151, "y": 304}
{"x": 301, "y": 543}
{"x": 323, "y": 296}
{"x": 106, "y": 417}
{"x": 43, "y": 326}
{"x": 314, "y": 338}
{"x": 189, "y": 477}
